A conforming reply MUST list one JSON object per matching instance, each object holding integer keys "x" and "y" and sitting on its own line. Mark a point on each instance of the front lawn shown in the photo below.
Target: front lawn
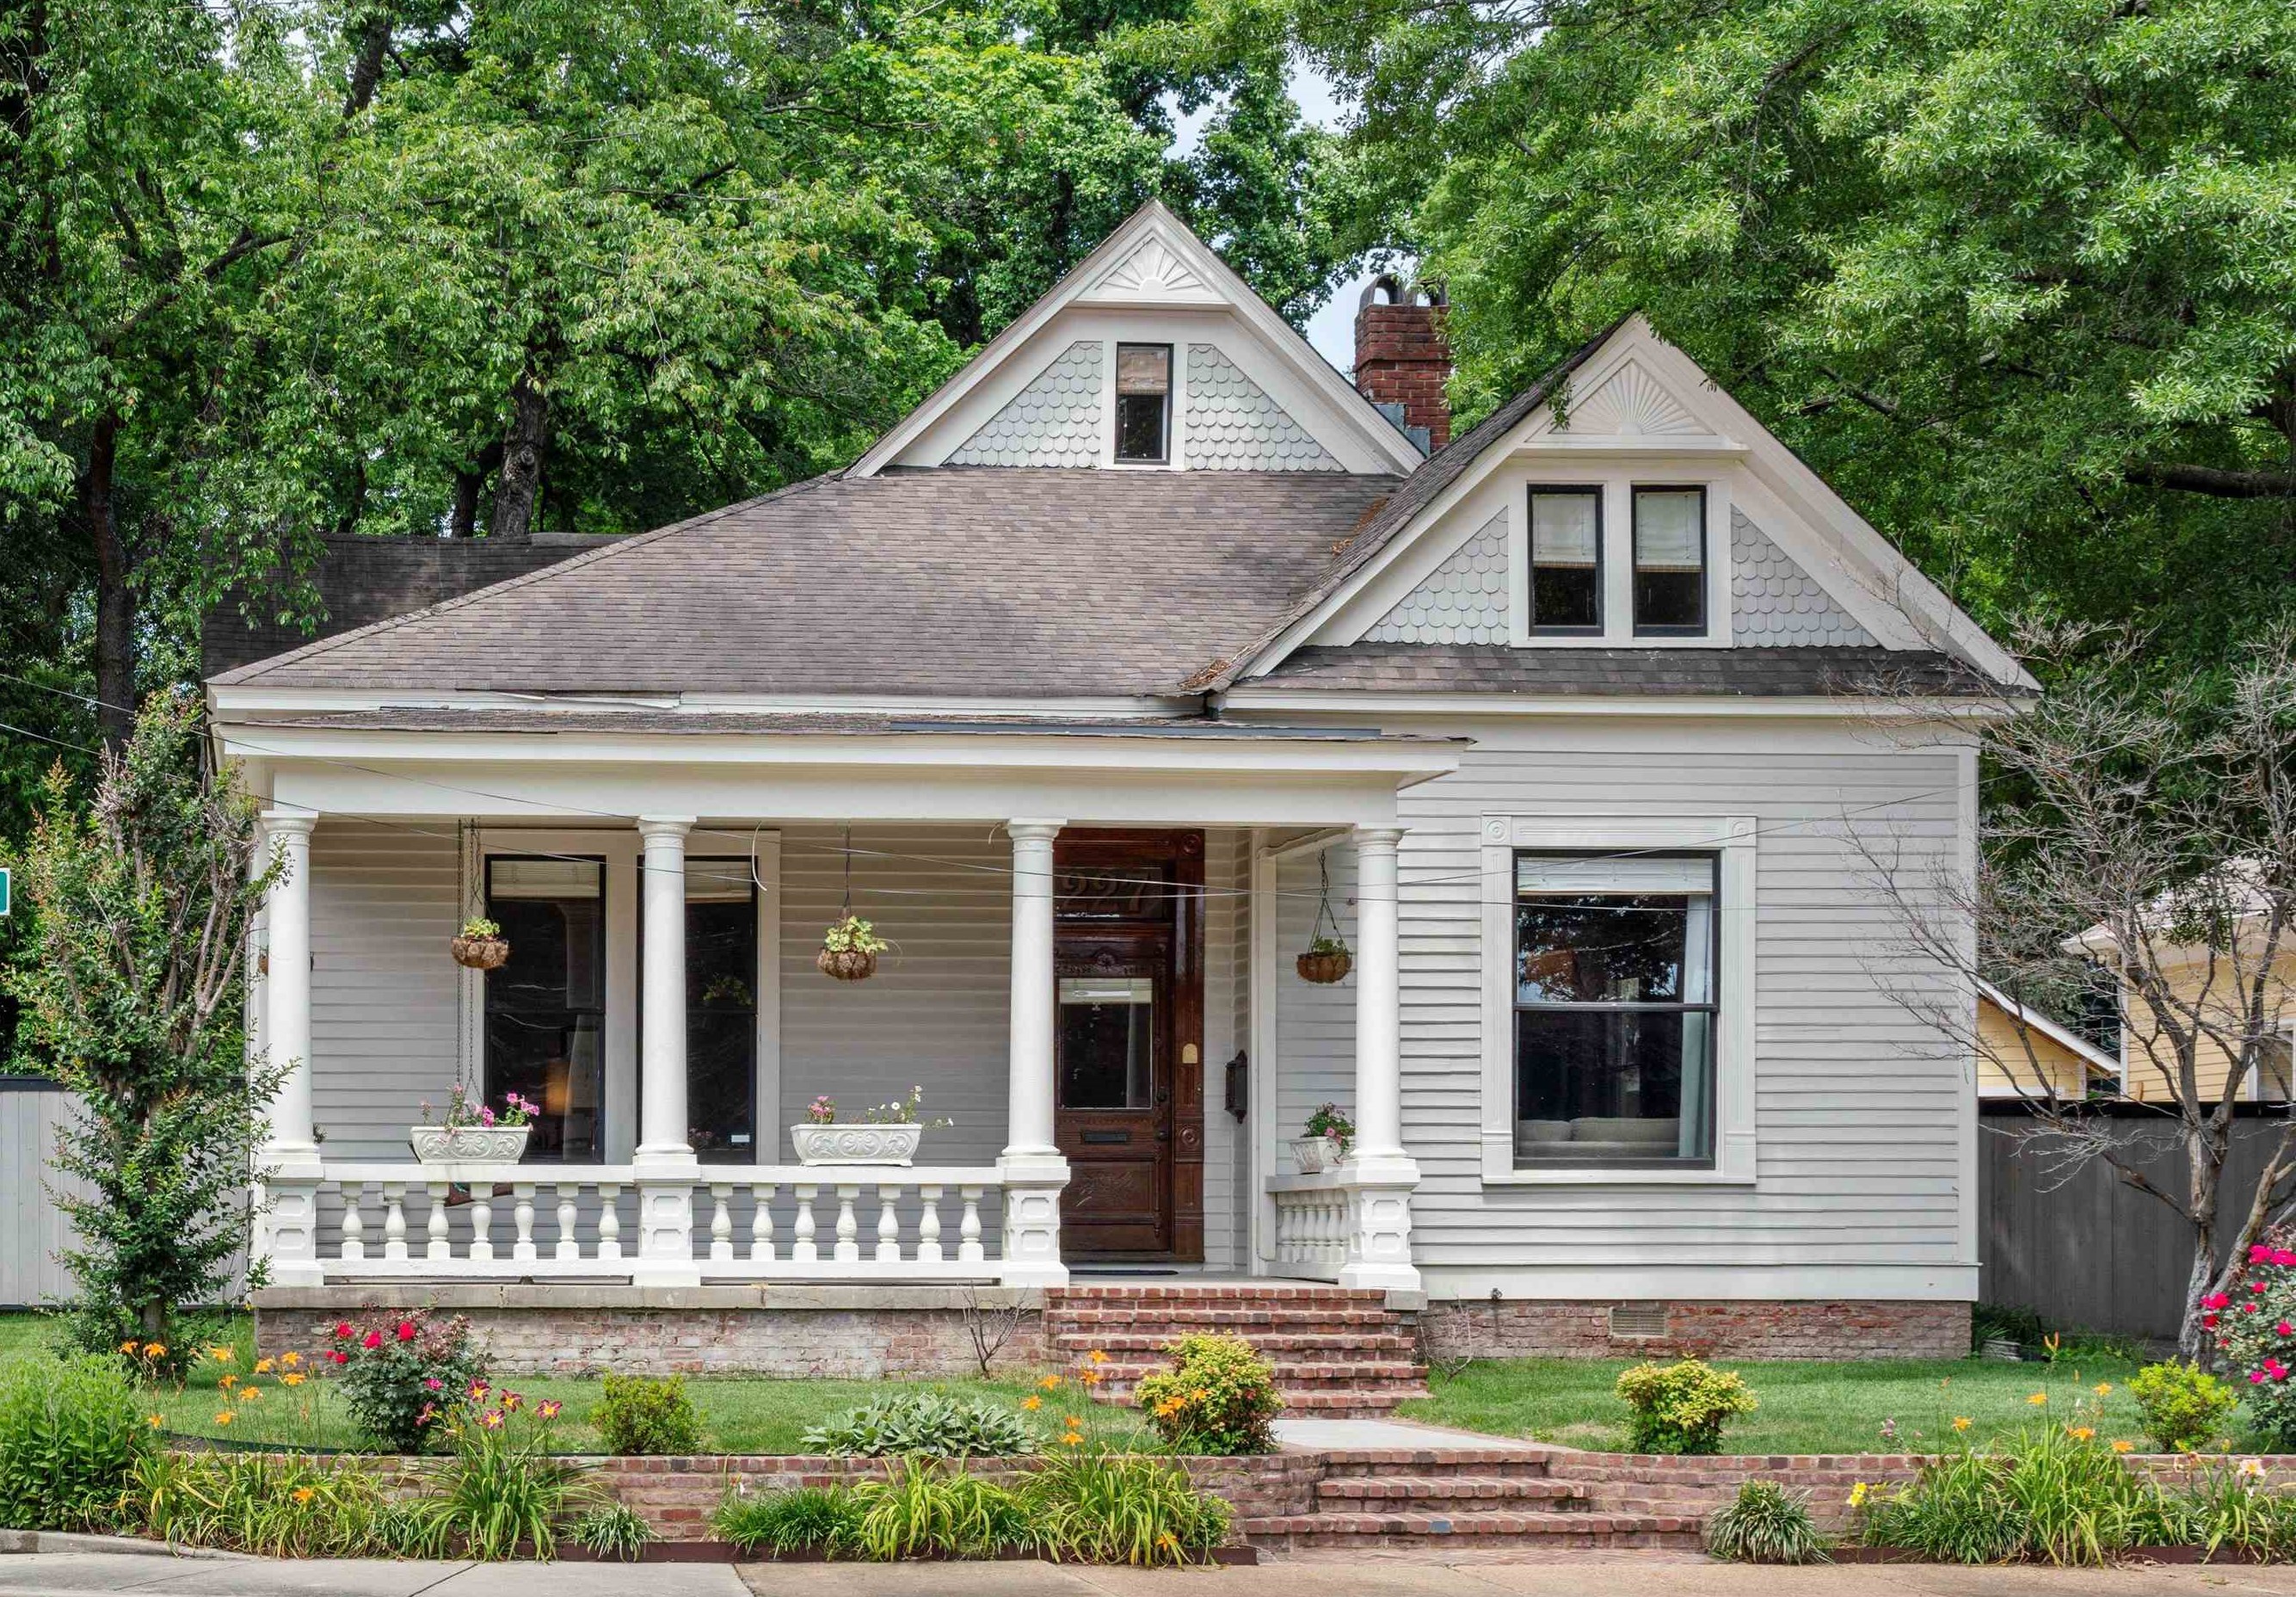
{"x": 743, "y": 1415}
{"x": 1805, "y": 1407}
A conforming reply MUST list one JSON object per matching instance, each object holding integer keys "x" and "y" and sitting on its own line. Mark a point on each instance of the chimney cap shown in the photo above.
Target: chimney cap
{"x": 1398, "y": 292}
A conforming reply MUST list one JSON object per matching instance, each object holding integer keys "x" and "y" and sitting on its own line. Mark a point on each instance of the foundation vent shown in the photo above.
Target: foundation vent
{"x": 1638, "y": 1319}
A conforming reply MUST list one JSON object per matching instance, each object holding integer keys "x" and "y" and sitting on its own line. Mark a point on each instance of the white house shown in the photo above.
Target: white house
{"x": 1144, "y": 650}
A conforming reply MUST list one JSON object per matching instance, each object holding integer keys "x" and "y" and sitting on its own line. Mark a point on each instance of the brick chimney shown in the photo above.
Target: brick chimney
{"x": 1402, "y": 361}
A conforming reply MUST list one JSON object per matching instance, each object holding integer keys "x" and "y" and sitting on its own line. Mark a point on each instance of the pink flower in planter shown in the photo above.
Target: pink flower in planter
{"x": 2259, "y": 1254}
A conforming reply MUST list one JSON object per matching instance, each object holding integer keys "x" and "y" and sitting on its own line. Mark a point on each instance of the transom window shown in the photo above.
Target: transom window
{"x": 1566, "y": 560}
{"x": 1669, "y": 562}
{"x": 1143, "y": 402}
{"x": 1615, "y": 1008}
{"x": 546, "y": 1008}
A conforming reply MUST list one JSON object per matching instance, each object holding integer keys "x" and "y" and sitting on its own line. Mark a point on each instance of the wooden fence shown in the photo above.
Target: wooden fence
{"x": 31, "y": 1228}
{"x": 2084, "y": 1247}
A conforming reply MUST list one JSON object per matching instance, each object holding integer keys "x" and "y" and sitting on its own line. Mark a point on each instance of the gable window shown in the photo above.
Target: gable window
{"x": 1615, "y": 1008}
{"x": 1143, "y": 402}
{"x": 1669, "y": 562}
{"x": 1566, "y": 560}
{"x": 546, "y": 1009}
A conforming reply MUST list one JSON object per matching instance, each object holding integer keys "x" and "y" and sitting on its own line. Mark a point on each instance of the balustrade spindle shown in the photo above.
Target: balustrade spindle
{"x": 848, "y": 1250}
{"x": 888, "y": 1223}
{"x": 721, "y": 1225}
{"x": 482, "y": 1223}
{"x": 610, "y": 1223}
{"x": 761, "y": 1222}
{"x": 567, "y": 1248}
{"x": 439, "y": 1247}
{"x": 968, "y": 1228}
{"x": 354, "y": 1226}
{"x": 929, "y": 1226}
{"x": 521, "y": 1216}
{"x": 394, "y": 1219}
{"x": 802, "y": 1250}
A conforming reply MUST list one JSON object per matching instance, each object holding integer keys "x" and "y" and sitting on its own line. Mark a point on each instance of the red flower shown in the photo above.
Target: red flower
{"x": 406, "y": 1330}
{"x": 2256, "y": 1285}
{"x": 2248, "y": 1308}
{"x": 342, "y": 1330}
{"x": 340, "y": 1356}
{"x": 2216, "y": 1300}
{"x": 372, "y": 1339}
{"x": 2209, "y": 1320}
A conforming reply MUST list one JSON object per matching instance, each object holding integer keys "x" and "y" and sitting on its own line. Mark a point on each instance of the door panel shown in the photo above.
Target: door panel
{"x": 1114, "y": 1109}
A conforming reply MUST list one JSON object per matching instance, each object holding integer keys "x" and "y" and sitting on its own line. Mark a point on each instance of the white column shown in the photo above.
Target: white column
{"x": 1380, "y": 1174}
{"x": 1032, "y": 1169}
{"x": 664, "y": 1162}
{"x": 288, "y": 1163}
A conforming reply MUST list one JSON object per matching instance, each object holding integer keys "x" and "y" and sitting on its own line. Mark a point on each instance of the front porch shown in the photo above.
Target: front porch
{"x": 650, "y": 1191}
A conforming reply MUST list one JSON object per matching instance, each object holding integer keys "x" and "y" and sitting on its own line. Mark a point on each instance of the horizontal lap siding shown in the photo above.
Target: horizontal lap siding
{"x": 1858, "y": 1103}
{"x": 32, "y": 1230}
{"x": 1315, "y": 1025}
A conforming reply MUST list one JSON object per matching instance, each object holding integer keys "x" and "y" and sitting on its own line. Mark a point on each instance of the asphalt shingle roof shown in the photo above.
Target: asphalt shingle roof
{"x": 1742, "y": 671}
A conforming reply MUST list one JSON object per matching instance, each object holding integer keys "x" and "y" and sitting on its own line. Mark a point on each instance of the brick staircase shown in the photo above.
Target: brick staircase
{"x": 1497, "y": 1502}
{"x": 1339, "y": 1353}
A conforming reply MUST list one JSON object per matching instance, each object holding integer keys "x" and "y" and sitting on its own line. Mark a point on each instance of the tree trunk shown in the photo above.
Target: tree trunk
{"x": 2204, "y": 1151}
{"x": 522, "y": 461}
{"x": 115, "y": 603}
{"x": 468, "y": 486}
{"x": 371, "y": 34}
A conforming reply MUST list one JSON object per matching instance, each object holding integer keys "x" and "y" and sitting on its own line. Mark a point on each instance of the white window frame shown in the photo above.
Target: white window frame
{"x": 1732, "y": 840}
{"x": 1617, "y": 480}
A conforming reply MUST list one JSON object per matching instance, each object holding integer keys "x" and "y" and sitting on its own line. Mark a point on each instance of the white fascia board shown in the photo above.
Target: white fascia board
{"x": 1358, "y": 705}
{"x": 2095, "y": 1057}
{"x": 227, "y": 701}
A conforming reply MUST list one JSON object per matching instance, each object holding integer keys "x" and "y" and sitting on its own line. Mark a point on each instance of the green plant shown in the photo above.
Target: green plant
{"x": 1330, "y": 1120}
{"x": 2253, "y": 1320}
{"x": 1766, "y": 1524}
{"x": 1681, "y": 1407}
{"x": 922, "y": 1508}
{"x": 130, "y": 984}
{"x": 824, "y": 1519}
{"x": 2184, "y": 1406}
{"x": 2224, "y": 1508}
{"x": 278, "y": 1505}
{"x": 72, "y": 1432}
{"x": 613, "y": 1530}
{"x": 398, "y": 1375}
{"x": 478, "y": 925}
{"x": 2053, "y": 1495}
{"x": 643, "y": 1414}
{"x": 851, "y": 935}
{"x": 922, "y": 1424}
{"x": 1325, "y": 943}
{"x": 1107, "y": 1508}
{"x": 2004, "y": 1322}
{"x": 501, "y": 1491}
{"x": 1217, "y": 1396}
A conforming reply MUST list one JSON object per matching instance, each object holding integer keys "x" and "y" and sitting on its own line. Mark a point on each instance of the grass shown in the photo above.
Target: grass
{"x": 738, "y": 1415}
{"x": 1805, "y": 1407}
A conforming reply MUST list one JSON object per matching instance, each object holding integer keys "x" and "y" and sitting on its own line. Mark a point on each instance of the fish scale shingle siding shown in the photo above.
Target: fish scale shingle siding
{"x": 1462, "y": 600}
{"x": 1055, "y": 421}
{"x": 1774, "y": 601}
{"x": 1233, "y": 425}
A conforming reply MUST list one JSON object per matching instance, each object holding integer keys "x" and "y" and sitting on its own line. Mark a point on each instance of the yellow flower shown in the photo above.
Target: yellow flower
{"x": 1051, "y": 1383}
{"x": 2038, "y": 1398}
{"x": 1198, "y": 1395}
{"x": 305, "y": 1494}
{"x": 1857, "y": 1495}
{"x": 222, "y": 1356}
{"x": 2081, "y": 1433}
{"x": 263, "y": 1366}
{"x": 249, "y": 1394}
{"x": 289, "y": 1360}
{"x": 2103, "y": 1388}
{"x": 292, "y": 1379}
{"x": 224, "y": 1418}
{"x": 228, "y": 1382}
{"x": 1091, "y": 1377}
{"x": 1032, "y": 1403}
{"x": 1071, "y": 1421}
{"x": 155, "y": 1350}
{"x": 1096, "y": 1356}
{"x": 2124, "y": 1446}
{"x": 1961, "y": 1422}
{"x": 154, "y": 1421}
{"x": 129, "y": 1345}
{"x": 1071, "y": 1439}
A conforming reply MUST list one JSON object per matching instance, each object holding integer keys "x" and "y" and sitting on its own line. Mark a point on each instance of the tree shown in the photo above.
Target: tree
{"x": 2019, "y": 278}
{"x": 131, "y": 989}
{"x": 2141, "y": 844}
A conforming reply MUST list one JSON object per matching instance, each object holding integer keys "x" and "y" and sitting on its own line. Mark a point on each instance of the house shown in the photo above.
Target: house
{"x": 2023, "y": 1055}
{"x": 1144, "y": 652}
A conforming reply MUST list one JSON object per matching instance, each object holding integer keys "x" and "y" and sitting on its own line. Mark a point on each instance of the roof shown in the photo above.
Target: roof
{"x": 2091, "y": 1055}
{"x": 550, "y": 722}
{"x": 954, "y": 581}
{"x": 1742, "y": 671}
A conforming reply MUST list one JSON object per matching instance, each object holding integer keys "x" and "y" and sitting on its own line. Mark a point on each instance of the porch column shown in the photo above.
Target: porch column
{"x": 1380, "y": 1174}
{"x": 288, "y": 1164}
{"x": 664, "y": 1161}
{"x": 1032, "y": 1169}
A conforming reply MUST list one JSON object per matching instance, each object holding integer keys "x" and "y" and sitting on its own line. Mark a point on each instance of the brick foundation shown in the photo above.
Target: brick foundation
{"x": 1519, "y": 1328}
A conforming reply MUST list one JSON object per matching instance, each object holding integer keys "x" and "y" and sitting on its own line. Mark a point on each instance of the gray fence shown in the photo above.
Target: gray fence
{"x": 2084, "y": 1247}
{"x": 31, "y": 1228}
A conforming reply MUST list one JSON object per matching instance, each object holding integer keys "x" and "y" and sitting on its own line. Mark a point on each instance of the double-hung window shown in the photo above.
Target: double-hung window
{"x": 1670, "y": 533}
{"x": 1143, "y": 403}
{"x": 1566, "y": 561}
{"x": 1615, "y": 1011}
{"x": 546, "y": 1009}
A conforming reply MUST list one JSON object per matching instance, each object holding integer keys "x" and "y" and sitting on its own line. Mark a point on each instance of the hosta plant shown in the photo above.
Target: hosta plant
{"x": 925, "y": 1425}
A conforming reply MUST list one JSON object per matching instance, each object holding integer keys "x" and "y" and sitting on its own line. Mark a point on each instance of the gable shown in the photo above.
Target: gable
{"x": 1054, "y": 421}
{"x": 1229, "y": 423}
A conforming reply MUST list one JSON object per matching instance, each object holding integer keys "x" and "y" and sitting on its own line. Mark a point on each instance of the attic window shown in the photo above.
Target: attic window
{"x": 1566, "y": 560}
{"x": 1669, "y": 562}
{"x": 1143, "y": 402}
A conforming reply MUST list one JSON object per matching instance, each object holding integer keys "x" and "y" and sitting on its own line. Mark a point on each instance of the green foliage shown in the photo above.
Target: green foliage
{"x": 1681, "y": 1407}
{"x": 402, "y": 1376}
{"x": 1766, "y": 1524}
{"x": 924, "y": 1424}
{"x": 643, "y": 1414}
{"x": 853, "y": 936}
{"x": 1991, "y": 1321}
{"x": 1217, "y": 1396}
{"x": 613, "y": 1530}
{"x": 72, "y": 1435}
{"x": 275, "y": 1504}
{"x": 131, "y": 994}
{"x": 923, "y": 1509}
{"x": 822, "y": 1519}
{"x": 2184, "y": 1407}
{"x": 501, "y": 1493}
{"x": 1099, "y": 1507}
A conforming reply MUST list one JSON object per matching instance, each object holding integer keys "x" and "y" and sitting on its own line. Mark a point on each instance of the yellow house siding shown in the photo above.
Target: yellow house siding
{"x": 2003, "y": 1069}
{"x": 2148, "y": 1083}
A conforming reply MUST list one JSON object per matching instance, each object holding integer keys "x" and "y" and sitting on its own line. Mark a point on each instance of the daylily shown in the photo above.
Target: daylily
{"x": 291, "y": 1358}
{"x": 154, "y": 1421}
{"x": 292, "y": 1379}
{"x": 479, "y": 1389}
{"x": 492, "y": 1419}
{"x": 304, "y": 1493}
{"x": 224, "y": 1418}
{"x": 548, "y": 1408}
{"x": 263, "y": 1366}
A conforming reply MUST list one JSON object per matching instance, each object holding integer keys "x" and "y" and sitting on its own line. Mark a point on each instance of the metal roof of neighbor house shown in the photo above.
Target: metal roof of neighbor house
{"x": 1745, "y": 671}
{"x": 953, "y": 581}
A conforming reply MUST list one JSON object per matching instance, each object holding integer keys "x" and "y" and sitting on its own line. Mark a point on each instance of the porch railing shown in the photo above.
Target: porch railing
{"x": 1351, "y": 1225}
{"x": 730, "y": 1223}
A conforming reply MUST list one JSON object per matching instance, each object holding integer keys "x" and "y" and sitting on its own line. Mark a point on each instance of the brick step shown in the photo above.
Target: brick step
{"x": 1433, "y": 1532}
{"x": 1450, "y": 1493}
{"x": 1075, "y": 1343}
{"x": 1232, "y": 1318}
{"x": 1181, "y": 1292}
{"x": 1428, "y": 1464}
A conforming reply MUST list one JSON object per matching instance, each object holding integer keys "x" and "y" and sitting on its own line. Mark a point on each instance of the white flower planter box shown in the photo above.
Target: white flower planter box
{"x": 859, "y": 1144}
{"x": 468, "y": 1144}
{"x": 1315, "y": 1155}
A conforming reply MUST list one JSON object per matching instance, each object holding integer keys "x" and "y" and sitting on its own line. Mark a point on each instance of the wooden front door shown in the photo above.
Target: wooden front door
{"x": 1127, "y": 965}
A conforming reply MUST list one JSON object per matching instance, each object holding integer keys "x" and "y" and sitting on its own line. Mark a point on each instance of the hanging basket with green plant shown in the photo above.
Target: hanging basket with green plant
{"x": 481, "y": 945}
{"x": 1327, "y": 959}
{"x": 850, "y": 950}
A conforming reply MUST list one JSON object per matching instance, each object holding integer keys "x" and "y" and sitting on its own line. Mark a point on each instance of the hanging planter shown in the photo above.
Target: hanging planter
{"x": 850, "y": 950}
{"x": 1327, "y": 959}
{"x": 480, "y": 945}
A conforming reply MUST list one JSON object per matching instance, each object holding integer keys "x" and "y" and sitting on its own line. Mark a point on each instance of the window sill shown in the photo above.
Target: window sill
{"x": 1597, "y": 1176}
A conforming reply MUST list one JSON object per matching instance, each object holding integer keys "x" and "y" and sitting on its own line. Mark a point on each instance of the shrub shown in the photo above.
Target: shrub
{"x": 1105, "y": 1508}
{"x": 1682, "y": 1407}
{"x": 1217, "y": 1396}
{"x": 502, "y": 1489}
{"x": 925, "y": 1425}
{"x": 1766, "y": 1524}
{"x": 824, "y": 1519}
{"x": 2183, "y": 1405}
{"x": 643, "y": 1414}
{"x": 1991, "y": 1321}
{"x": 2226, "y": 1509}
{"x": 613, "y": 1530}
{"x": 2255, "y": 1325}
{"x": 2053, "y": 1495}
{"x": 278, "y": 1505}
{"x": 923, "y": 1509}
{"x": 397, "y": 1372}
{"x": 71, "y": 1435}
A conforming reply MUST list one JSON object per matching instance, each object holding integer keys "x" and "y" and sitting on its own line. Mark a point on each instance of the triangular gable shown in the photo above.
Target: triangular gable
{"x": 1153, "y": 263}
{"x": 1054, "y": 421}
{"x": 1628, "y": 392}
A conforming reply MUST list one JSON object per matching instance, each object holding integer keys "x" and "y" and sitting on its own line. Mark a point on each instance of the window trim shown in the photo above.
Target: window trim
{"x": 1634, "y": 493}
{"x": 1116, "y": 409}
{"x": 1531, "y": 492}
{"x": 1732, "y": 839}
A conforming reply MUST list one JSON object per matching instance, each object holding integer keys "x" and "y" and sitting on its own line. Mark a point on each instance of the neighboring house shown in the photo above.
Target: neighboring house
{"x": 2024, "y": 1056}
{"x": 1140, "y": 652}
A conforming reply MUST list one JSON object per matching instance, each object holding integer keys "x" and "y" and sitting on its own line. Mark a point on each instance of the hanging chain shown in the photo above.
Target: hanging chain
{"x": 1324, "y": 903}
{"x": 846, "y": 913}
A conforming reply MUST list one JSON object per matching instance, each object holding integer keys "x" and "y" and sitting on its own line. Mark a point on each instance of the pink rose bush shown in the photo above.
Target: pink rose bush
{"x": 2254, "y": 1323}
